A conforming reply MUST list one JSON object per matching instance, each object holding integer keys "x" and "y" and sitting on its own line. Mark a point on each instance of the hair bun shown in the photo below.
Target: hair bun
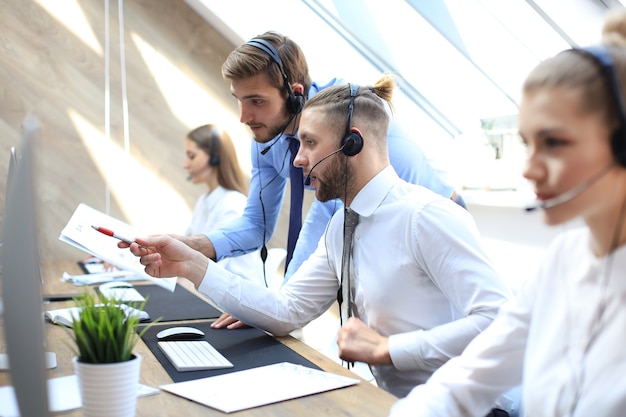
{"x": 614, "y": 29}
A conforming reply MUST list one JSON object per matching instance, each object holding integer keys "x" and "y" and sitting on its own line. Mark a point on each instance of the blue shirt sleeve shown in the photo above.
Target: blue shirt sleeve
{"x": 409, "y": 161}
{"x": 312, "y": 230}
{"x": 265, "y": 198}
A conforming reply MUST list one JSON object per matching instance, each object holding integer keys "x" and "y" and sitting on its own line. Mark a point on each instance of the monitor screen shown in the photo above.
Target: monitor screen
{"x": 10, "y": 175}
{"x": 21, "y": 284}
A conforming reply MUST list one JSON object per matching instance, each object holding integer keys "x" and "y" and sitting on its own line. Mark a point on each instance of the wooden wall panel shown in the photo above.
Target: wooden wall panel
{"x": 48, "y": 70}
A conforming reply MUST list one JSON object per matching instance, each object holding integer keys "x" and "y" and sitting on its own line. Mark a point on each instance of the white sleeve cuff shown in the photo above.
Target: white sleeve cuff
{"x": 404, "y": 350}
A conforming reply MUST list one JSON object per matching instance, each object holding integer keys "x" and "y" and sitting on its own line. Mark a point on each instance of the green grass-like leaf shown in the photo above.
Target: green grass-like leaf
{"x": 102, "y": 332}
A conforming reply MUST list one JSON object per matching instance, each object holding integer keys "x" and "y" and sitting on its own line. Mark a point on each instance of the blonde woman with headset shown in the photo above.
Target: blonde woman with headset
{"x": 563, "y": 336}
{"x": 211, "y": 160}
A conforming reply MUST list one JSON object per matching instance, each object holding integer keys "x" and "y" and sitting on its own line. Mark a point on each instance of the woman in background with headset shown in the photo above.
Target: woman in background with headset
{"x": 563, "y": 337}
{"x": 211, "y": 160}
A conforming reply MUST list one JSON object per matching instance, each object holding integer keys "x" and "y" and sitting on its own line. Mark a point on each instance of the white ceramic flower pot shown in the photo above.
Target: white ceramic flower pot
{"x": 109, "y": 389}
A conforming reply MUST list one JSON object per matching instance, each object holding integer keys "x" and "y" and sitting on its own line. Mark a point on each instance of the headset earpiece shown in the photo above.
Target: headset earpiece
{"x": 214, "y": 160}
{"x": 605, "y": 60}
{"x": 295, "y": 101}
{"x": 214, "y": 155}
{"x": 618, "y": 144}
{"x": 352, "y": 142}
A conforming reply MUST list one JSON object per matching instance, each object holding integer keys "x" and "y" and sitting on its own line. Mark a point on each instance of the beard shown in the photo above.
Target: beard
{"x": 276, "y": 129}
{"x": 334, "y": 180}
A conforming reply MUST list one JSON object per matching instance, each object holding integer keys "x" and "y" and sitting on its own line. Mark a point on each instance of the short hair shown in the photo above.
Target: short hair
{"x": 248, "y": 61}
{"x": 369, "y": 112}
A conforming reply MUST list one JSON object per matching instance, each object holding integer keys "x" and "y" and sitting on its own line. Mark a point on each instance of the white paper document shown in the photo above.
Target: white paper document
{"x": 289, "y": 380}
{"x": 66, "y": 316}
{"x": 63, "y": 395}
{"x": 101, "y": 277}
{"x": 79, "y": 233}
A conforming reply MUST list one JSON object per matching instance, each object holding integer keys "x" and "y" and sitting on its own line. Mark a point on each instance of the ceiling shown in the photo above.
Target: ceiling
{"x": 459, "y": 63}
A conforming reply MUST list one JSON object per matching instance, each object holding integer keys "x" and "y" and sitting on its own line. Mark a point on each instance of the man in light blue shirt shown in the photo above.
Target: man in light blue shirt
{"x": 264, "y": 88}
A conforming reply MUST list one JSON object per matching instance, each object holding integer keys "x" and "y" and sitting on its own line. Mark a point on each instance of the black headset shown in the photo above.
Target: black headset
{"x": 295, "y": 101}
{"x": 604, "y": 59}
{"x": 214, "y": 155}
{"x": 352, "y": 142}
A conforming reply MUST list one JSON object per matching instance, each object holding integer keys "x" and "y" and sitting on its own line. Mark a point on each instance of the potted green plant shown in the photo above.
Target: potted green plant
{"x": 104, "y": 334}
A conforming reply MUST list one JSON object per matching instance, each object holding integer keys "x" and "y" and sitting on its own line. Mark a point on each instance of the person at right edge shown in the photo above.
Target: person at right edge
{"x": 413, "y": 283}
{"x": 564, "y": 336}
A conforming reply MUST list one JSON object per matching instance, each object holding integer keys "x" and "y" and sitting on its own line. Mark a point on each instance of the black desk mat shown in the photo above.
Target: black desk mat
{"x": 181, "y": 304}
{"x": 245, "y": 348}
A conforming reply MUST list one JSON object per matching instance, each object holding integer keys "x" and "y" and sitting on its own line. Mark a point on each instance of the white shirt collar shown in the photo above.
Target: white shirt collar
{"x": 374, "y": 192}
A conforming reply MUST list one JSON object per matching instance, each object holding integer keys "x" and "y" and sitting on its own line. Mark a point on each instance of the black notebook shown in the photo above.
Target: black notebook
{"x": 181, "y": 304}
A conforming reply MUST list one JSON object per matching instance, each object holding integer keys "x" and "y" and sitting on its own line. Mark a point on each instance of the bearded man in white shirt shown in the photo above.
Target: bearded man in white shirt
{"x": 423, "y": 285}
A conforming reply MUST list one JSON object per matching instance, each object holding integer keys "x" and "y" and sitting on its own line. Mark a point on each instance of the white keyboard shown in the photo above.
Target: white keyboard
{"x": 194, "y": 355}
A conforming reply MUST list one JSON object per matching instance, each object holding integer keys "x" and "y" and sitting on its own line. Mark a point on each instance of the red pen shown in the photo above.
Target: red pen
{"x": 113, "y": 234}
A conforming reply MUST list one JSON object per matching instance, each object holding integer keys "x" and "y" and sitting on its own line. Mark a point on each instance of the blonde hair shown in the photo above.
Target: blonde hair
{"x": 614, "y": 28}
{"x": 576, "y": 70}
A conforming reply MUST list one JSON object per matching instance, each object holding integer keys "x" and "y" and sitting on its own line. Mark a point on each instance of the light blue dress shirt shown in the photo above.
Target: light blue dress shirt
{"x": 270, "y": 173}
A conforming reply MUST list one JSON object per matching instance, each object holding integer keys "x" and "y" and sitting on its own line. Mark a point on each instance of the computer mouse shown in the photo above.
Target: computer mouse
{"x": 180, "y": 333}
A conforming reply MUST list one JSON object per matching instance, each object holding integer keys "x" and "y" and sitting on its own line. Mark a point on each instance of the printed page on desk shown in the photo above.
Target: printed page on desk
{"x": 66, "y": 316}
{"x": 79, "y": 233}
{"x": 223, "y": 392}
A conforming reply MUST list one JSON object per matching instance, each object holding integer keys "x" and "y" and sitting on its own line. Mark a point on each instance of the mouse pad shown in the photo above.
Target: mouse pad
{"x": 245, "y": 348}
{"x": 181, "y": 304}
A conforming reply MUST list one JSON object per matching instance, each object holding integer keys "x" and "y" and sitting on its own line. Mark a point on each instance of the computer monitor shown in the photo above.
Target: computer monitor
{"x": 4, "y": 363}
{"x": 21, "y": 284}
{"x": 10, "y": 175}
{"x": 12, "y": 164}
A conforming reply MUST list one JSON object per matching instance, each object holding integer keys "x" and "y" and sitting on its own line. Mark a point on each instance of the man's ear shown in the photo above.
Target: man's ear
{"x": 297, "y": 88}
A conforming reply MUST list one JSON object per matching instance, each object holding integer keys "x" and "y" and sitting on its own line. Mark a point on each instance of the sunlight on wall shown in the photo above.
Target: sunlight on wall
{"x": 70, "y": 14}
{"x": 190, "y": 102}
{"x": 138, "y": 190}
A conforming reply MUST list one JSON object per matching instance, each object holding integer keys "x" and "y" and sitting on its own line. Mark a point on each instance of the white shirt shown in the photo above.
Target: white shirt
{"x": 540, "y": 339}
{"x": 420, "y": 273}
{"x": 215, "y": 209}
